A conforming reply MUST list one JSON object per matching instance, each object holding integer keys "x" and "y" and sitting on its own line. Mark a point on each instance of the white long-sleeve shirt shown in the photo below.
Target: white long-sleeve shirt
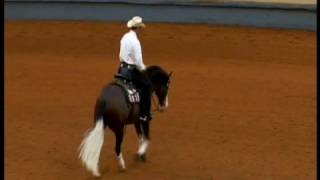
{"x": 130, "y": 50}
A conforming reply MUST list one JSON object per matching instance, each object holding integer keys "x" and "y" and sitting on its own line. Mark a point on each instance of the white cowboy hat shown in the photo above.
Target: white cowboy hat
{"x": 136, "y": 21}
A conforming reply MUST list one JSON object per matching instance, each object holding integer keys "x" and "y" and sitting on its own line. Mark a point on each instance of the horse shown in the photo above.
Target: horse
{"x": 113, "y": 110}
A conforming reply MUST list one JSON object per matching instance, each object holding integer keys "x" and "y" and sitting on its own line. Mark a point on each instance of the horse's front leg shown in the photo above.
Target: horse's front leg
{"x": 142, "y": 129}
{"x": 138, "y": 130}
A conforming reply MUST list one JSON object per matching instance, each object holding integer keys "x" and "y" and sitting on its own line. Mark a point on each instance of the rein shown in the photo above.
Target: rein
{"x": 155, "y": 104}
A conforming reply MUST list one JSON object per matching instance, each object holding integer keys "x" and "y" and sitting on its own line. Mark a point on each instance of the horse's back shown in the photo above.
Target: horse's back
{"x": 113, "y": 94}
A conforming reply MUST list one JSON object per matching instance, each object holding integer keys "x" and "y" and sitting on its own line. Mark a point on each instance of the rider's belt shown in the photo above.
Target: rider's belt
{"x": 128, "y": 66}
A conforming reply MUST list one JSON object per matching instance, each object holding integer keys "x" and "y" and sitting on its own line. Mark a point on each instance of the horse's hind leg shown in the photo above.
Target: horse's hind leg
{"x": 119, "y": 139}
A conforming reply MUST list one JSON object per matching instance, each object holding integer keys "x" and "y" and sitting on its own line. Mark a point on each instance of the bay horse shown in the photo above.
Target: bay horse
{"x": 113, "y": 110}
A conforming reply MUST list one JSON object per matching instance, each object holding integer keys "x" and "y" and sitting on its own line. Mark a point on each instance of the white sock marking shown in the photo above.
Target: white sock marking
{"x": 121, "y": 161}
{"x": 143, "y": 146}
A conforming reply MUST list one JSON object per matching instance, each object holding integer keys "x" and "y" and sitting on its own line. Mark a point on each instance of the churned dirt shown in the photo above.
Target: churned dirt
{"x": 242, "y": 101}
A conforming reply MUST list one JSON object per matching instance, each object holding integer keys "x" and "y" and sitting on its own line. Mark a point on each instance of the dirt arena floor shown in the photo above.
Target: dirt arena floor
{"x": 242, "y": 101}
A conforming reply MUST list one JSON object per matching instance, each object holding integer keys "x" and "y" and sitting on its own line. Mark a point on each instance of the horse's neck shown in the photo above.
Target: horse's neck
{"x": 154, "y": 72}
{"x": 152, "y": 83}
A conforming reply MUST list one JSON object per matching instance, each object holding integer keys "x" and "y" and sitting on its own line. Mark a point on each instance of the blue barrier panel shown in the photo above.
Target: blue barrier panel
{"x": 110, "y": 11}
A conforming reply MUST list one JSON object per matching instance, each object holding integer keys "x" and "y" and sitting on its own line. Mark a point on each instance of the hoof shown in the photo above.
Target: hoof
{"x": 142, "y": 157}
{"x": 96, "y": 174}
{"x": 122, "y": 170}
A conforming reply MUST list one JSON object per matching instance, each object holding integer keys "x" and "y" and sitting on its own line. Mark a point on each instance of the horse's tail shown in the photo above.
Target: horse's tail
{"x": 91, "y": 145}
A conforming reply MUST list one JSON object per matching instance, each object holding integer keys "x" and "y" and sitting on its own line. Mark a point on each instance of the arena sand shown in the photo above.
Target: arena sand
{"x": 242, "y": 101}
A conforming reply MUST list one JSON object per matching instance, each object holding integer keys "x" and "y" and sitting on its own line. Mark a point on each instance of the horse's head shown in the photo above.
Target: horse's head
{"x": 160, "y": 81}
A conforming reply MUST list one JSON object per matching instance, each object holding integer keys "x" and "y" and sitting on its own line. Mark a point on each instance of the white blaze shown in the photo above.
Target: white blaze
{"x": 166, "y": 104}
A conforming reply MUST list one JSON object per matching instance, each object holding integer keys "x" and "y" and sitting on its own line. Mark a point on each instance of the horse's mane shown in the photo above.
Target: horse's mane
{"x": 156, "y": 73}
{"x": 155, "y": 68}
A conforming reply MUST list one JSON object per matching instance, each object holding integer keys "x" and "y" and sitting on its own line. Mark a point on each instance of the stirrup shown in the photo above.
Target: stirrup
{"x": 145, "y": 118}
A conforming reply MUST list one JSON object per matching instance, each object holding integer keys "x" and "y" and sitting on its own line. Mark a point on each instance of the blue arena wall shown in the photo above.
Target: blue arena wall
{"x": 276, "y": 15}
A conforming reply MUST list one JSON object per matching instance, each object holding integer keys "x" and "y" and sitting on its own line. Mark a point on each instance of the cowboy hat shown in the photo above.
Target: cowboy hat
{"x": 136, "y": 21}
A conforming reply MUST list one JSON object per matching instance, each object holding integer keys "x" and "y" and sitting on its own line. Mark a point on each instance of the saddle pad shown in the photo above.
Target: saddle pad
{"x": 132, "y": 94}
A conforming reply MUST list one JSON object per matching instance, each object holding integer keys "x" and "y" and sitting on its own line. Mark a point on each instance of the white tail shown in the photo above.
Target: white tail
{"x": 91, "y": 146}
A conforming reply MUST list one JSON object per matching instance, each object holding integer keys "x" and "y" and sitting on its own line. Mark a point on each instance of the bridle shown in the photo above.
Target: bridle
{"x": 155, "y": 104}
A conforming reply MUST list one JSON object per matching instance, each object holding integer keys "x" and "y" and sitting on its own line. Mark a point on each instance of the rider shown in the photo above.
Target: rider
{"x": 132, "y": 66}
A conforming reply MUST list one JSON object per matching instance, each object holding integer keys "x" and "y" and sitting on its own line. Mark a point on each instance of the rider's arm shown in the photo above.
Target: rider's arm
{"x": 138, "y": 56}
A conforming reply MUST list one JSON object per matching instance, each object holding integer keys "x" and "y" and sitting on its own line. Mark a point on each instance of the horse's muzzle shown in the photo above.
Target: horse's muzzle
{"x": 165, "y": 106}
